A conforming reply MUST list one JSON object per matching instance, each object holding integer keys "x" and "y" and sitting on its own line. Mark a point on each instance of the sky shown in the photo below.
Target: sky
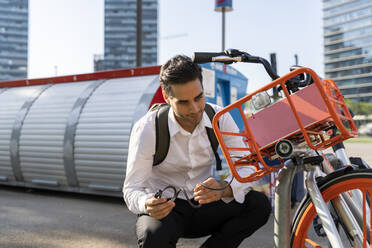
{"x": 64, "y": 35}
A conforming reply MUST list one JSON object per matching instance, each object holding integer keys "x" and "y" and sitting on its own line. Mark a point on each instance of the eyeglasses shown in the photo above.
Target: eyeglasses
{"x": 176, "y": 192}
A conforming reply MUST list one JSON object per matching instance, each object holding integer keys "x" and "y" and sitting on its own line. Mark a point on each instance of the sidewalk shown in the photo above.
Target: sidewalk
{"x": 48, "y": 219}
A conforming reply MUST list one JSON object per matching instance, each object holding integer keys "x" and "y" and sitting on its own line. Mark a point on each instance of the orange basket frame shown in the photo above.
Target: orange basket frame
{"x": 334, "y": 103}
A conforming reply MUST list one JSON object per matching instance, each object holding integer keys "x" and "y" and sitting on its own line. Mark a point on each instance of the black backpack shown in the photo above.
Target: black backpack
{"x": 163, "y": 137}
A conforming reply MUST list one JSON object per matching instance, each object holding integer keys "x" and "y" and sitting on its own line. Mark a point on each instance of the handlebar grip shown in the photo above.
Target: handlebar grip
{"x": 201, "y": 57}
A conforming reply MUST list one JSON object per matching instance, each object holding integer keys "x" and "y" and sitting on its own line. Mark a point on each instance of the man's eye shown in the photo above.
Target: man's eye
{"x": 199, "y": 98}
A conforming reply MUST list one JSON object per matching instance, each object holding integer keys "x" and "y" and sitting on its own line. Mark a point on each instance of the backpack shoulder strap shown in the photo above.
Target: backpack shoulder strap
{"x": 163, "y": 137}
{"x": 212, "y": 137}
{"x": 157, "y": 106}
{"x": 162, "y": 132}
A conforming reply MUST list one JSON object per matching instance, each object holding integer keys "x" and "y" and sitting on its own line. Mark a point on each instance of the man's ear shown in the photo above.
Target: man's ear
{"x": 165, "y": 96}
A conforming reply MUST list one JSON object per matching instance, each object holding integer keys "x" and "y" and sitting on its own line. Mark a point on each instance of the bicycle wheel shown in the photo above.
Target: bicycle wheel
{"x": 306, "y": 230}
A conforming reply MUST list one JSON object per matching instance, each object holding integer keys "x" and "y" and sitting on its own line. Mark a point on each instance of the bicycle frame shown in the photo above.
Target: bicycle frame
{"x": 282, "y": 215}
{"x": 309, "y": 112}
{"x": 329, "y": 110}
{"x": 344, "y": 205}
{"x": 348, "y": 205}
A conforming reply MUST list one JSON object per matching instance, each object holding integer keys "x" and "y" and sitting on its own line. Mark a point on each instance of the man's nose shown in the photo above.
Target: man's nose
{"x": 194, "y": 108}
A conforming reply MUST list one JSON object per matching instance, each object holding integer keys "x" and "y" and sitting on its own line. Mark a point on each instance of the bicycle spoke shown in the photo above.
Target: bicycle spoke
{"x": 366, "y": 213}
{"x": 367, "y": 218}
{"x": 364, "y": 220}
{"x": 370, "y": 217}
{"x": 312, "y": 243}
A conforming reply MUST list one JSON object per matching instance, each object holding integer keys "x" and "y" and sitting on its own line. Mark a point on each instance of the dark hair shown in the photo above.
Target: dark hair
{"x": 179, "y": 70}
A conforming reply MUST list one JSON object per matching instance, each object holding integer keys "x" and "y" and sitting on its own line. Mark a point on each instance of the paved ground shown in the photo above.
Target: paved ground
{"x": 363, "y": 150}
{"x": 38, "y": 219}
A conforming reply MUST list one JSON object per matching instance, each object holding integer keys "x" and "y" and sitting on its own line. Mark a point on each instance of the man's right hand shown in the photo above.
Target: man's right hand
{"x": 158, "y": 208}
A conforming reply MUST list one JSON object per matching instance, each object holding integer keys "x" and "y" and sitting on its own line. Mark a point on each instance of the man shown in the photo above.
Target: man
{"x": 229, "y": 216}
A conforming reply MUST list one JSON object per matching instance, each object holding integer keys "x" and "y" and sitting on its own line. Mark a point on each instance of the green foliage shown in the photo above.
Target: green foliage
{"x": 359, "y": 140}
{"x": 359, "y": 108}
{"x": 365, "y": 108}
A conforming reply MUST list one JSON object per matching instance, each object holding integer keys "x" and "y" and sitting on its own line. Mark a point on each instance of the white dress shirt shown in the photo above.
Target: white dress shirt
{"x": 189, "y": 160}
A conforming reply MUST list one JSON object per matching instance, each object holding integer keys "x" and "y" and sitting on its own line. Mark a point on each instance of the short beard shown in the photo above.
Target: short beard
{"x": 185, "y": 118}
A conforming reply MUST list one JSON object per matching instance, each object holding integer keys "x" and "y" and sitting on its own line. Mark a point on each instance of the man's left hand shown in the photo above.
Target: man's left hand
{"x": 204, "y": 195}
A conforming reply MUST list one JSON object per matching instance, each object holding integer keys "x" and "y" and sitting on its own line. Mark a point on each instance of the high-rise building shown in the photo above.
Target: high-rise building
{"x": 348, "y": 46}
{"x": 120, "y": 33}
{"x": 13, "y": 39}
{"x": 98, "y": 62}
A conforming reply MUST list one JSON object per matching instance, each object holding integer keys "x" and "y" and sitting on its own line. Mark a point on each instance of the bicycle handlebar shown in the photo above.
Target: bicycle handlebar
{"x": 232, "y": 56}
{"x": 202, "y": 57}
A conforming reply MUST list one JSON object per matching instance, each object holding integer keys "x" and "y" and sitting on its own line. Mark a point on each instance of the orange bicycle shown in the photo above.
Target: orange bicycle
{"x": 309, "y": 117}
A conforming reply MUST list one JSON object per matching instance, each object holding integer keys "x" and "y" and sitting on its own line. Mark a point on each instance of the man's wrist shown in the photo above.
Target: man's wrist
{"x": 221, "y": 183}
{"x": 227, "y": 192}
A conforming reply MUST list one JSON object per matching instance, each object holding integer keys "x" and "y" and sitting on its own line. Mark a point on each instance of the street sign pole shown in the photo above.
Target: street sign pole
{"x": 223, "y": 29}
{"x": 223, "y": 6}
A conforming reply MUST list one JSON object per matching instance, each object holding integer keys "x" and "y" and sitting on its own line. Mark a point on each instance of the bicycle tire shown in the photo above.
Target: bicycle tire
{"x": 330, "y": 186}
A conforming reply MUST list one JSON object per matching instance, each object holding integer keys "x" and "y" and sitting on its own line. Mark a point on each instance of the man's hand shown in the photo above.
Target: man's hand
{"x": 158, "y": 208}
{"x": 204, "y": 195}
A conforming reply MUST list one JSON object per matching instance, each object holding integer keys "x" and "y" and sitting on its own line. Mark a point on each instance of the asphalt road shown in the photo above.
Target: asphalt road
{"x": 40, "y": 218}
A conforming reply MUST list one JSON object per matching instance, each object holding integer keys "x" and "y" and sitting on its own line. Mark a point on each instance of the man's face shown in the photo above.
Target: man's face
{"x": 187, "y": 101}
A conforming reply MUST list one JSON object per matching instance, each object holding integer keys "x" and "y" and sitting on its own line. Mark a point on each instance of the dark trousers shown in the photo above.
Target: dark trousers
{"x": 227, "y": 223}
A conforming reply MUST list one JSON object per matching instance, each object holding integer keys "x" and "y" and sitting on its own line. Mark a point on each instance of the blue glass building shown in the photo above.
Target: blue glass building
{"x": 348, "y": 46}
{"x": 13, "y": 39}
{"x": 120, "y": 33}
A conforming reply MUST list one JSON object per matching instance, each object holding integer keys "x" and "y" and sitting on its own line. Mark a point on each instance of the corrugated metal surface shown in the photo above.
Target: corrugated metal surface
{"x": 65, "y": 133}
{"x": 42, "y": 136}
{"x": 11, "y": 102}
{"x": 102, "y": 135}
{"x": 72, "y": 132}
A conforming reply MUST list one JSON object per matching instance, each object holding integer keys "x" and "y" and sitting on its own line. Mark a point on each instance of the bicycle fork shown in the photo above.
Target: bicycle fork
{"x": 282, "y": 215}
{"x": 349, "y": 205}
{"x": 342, "y": 209}
{"x": 322, "y": 208}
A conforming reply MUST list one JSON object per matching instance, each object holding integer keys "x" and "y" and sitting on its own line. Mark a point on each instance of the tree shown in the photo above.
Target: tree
{"x": 359, "y": 108}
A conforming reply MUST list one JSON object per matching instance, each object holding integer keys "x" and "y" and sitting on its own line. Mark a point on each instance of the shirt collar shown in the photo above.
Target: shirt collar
{"x": 175, "y": 127}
